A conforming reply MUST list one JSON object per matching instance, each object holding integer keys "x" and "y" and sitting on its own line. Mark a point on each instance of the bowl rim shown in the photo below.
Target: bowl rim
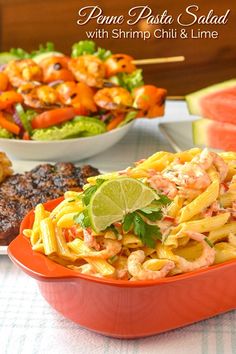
{"x": 66, "y": 274}
{"x": 88, "y": 138}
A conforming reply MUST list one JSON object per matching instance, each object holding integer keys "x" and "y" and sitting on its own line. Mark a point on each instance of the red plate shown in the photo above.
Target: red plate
{"x": 125, "y": 309}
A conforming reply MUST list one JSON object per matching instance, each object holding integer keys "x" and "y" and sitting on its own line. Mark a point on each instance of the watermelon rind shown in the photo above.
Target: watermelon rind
{"x": 199, "y": 128}
{"x": 216, "y": 135}
{"x": 193, "y": 99}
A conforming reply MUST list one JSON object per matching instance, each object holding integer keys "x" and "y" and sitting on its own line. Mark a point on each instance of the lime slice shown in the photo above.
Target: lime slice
{"x": 116, "y": 198}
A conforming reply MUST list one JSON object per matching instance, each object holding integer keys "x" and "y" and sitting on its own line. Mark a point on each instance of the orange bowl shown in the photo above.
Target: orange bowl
{"x": 125, "y": 309}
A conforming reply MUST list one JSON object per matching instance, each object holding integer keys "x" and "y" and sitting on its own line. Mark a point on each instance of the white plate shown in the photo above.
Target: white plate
{"x": 178, "y": 134}
{"x": 63, "y": 150}
{"x": 3, "y": 250}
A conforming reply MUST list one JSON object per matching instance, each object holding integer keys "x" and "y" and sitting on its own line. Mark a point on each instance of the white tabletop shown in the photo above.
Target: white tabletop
{"x": 28, "y": 325}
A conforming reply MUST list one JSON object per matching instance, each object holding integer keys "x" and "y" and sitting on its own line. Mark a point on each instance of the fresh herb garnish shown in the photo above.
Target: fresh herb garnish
{"x": 147, "y": 233}
{"x": 136, "y": 221}
{"x": 162, "y": 201}
{"x": 152, "y": 215}
{"x": 87, "y": 195}
{"x": 83, "y": 219}
{"x": 113, "y": 229}
{"x": 206, "y": 239}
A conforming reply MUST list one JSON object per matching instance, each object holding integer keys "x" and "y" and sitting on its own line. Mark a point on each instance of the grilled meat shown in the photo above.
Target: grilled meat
{"x": 22, "y": 192}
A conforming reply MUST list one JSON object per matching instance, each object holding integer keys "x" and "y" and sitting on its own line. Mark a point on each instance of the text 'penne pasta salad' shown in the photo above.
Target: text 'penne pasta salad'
{"x": 167, "y": 215}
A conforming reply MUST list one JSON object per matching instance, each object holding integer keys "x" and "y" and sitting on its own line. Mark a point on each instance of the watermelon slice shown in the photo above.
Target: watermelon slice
{"x": 217, "y": 102}
{"x": 216, "y": 135}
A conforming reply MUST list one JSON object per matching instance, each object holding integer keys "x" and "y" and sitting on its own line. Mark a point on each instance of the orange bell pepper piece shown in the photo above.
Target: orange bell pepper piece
{"x": 8, "y": 98}
{"x": 11, "y": 127}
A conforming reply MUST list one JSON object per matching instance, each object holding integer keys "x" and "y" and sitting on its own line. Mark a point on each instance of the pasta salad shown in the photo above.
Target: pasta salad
{"x": 168, "y": 214}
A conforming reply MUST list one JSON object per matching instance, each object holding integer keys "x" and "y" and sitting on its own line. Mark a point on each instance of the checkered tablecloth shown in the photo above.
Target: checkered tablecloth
{"x": 28, "y": 325}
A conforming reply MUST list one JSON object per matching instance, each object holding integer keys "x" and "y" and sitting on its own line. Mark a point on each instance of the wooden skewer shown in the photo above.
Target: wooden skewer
{"x": 176, "y": 98}
{"x": 158, "y": 60}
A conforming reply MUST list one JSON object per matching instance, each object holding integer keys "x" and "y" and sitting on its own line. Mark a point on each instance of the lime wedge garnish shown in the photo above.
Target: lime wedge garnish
{"x": 116, "y": 198}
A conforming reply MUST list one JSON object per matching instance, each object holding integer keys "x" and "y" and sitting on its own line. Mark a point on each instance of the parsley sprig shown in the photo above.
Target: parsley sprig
{"x": 88, "y": 192}
{"x": 83, "y": 217}
{"x": 138, "y": 221}
{"x": 148, "y": 234}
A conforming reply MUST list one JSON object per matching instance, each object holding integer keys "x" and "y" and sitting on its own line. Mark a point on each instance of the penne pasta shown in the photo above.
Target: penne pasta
{"x": 72, "y": 195}
{"x": 222, "y": 232}
{"x": 226, "y": 200}
{"x": 187, "y": 224}
{"x": 200, "y": 203}
{"x": 78, "y": 247}
{"x": 203, "y": 225}
{"x": 74, "y": 208}
{"x": 190, "y": 251}
{"x": 39, "y": 215}
{"x": 67, "y": 220}
{"x": 47, "y": 232}
{"x": 131, "y": 241}
{"x": 164, "y": 252}
{"x": 175, "y": 206}
{"x": 38, "y": 247}
{"x": 155, "y": 162}
{"x": 224, "y": 252}
{"x": 66, "y": 203}
{"x": 102, "y": 266}
{"x": 154, "y": 264}
{"x": 187, "y": 156}
{"x": 62, "y": 247}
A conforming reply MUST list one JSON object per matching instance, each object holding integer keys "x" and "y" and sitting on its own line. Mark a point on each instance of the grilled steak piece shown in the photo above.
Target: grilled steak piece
{"x": 20, "y": 193}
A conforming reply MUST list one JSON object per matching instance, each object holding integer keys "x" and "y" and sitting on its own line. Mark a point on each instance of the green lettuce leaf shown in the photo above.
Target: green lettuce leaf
{"x": 78, "y": 127}
{"x": 89, "y": 47}
{"x": 129, "y": 81}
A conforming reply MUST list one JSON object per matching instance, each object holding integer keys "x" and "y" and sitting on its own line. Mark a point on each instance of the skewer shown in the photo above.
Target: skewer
{"x": 175, "y": 98}
{"x": 158, "y": 60}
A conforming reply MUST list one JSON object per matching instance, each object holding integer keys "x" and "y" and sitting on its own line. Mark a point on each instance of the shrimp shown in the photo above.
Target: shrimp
{"x": 88, "y": 69}
{"x": 23, "y": 71}
{"x": 90, "y": 240}
{"x": 119, "y": 63}
{"x": 164, "y": 185}
{"x": 213, "y": 208}
{"x": 206, "y": 259}
{"x": 114, "y": 98}
{"x": 112, "y": 248}
{"x": 56, "y": 68}
{"x": 87, "y": 269}
{"x": 136, "y": 269}
{"x": 208, "y": 158}
{"x": 188, "y": 176}
{"x": 76, "y": 94}
{"x": 40, "y": 96}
